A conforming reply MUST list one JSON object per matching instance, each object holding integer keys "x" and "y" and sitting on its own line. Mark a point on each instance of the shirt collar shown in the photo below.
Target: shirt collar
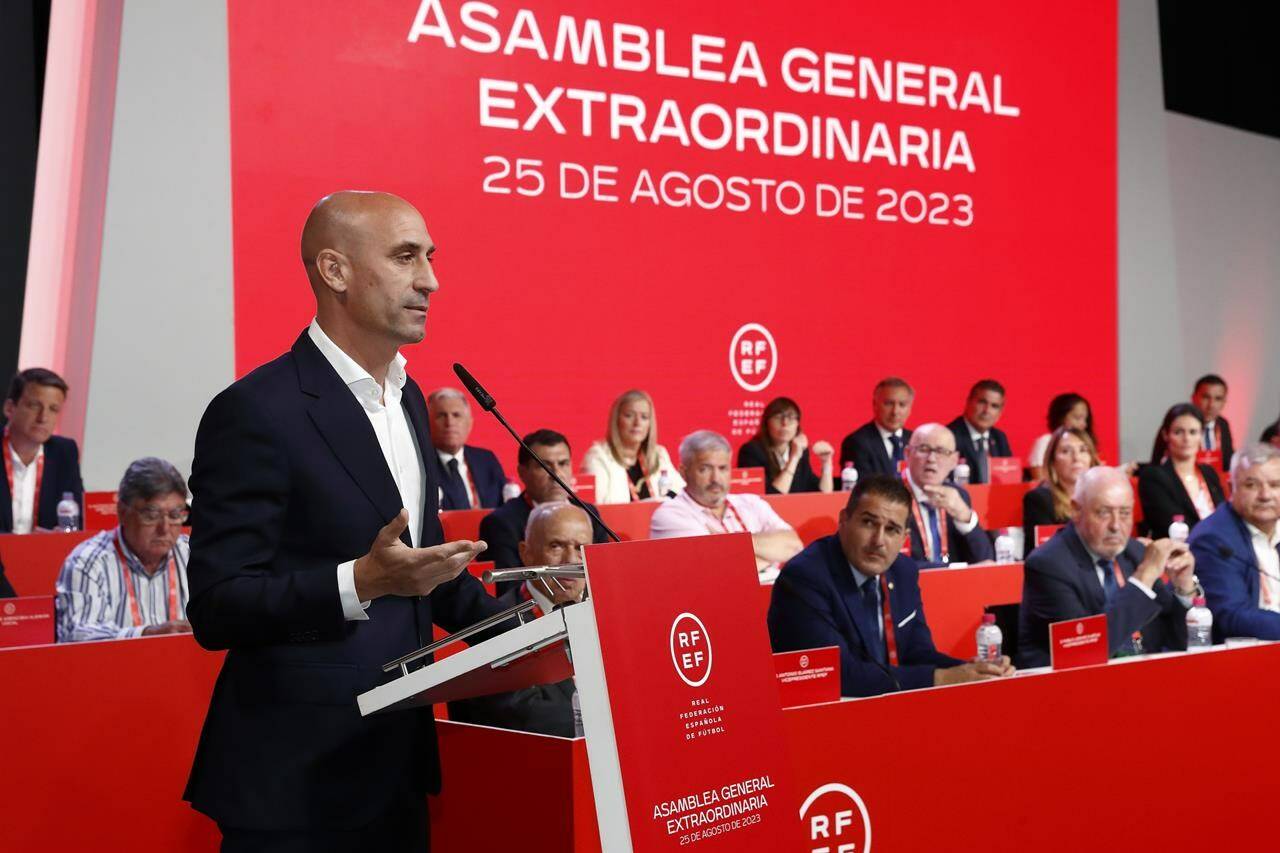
{"x": 920, "y": 496}
{"x": 544, "y": 604}
{"x": 885, "y": 434}
{"x": 445, "y": 457}
{"x": 688, "y": 498}
{"x": 974, "y": 433}
{"x": 348, "y": 371}
{"x": 858, "y": 577}
{"x": 18, "y": 464}
{"x": 1273, "y": 540}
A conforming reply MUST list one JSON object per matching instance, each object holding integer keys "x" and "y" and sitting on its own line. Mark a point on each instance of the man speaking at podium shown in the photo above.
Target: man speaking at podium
{"x": 317, "y": 556}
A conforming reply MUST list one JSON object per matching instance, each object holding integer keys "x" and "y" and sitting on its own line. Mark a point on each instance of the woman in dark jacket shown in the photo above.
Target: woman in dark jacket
{"x": 1178, "y": 486}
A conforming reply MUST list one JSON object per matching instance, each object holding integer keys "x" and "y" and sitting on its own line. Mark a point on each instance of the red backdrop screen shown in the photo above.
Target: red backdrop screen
{"x": 716, "y": 202}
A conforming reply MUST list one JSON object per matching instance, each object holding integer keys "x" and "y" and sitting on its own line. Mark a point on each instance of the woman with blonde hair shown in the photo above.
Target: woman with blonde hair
{"x": 1069, "y": 454}
{"x": 630, "y": 464}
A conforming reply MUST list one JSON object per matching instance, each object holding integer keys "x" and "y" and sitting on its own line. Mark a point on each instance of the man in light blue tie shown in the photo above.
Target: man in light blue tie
{"x": 1094, "y": 566}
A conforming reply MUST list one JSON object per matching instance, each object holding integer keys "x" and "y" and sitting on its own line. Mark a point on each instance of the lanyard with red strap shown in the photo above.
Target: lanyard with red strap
{"x": 729, "y": 510}
{"x": 473, "y": 496}
{"x": 1119, "y": 575}
{"x": 944, "y": 552}
{"x": 8, "y": 473}
{"x": 1204, "y": 489}
{"x": 131, "y": 594}
{"x": 890, "y": 638}
{"x": 644, "y": 478}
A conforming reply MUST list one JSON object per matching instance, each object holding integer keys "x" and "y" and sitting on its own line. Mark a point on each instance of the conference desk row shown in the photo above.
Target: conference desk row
{"x": 32, "y": 561}
{"x": 1160, "y": 753}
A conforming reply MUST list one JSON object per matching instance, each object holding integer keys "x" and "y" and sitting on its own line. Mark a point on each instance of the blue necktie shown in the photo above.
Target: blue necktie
{"x": 871, "y": 608}
{"x": 1109, "y": 587}
{"x": 896, "y": 441}
{"x": 456, "y": 486}
{"x": 982, "y": 475}
{"x": 936, "y": 533}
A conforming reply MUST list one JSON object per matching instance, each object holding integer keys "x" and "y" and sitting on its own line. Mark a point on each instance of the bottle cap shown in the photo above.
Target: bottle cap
{"x": 1198, "y": 601}
{"x": 1182, "y": 518}
{"x": 848, "y": 465}
{"x": 988, "y": 619}
{"x": 68, "y": 496}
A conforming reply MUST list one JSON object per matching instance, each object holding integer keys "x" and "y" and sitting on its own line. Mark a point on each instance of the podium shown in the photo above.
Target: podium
{"x": 675, "y": 679}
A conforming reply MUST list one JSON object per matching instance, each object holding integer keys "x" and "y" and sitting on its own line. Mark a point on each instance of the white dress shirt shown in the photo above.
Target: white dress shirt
{"x": 462, "y": 472}
{"x": 24, "y": 491}
{"x": 381, "y": 403}
{"x": 886, "y": 439}
{"x": 1264, "y": 547}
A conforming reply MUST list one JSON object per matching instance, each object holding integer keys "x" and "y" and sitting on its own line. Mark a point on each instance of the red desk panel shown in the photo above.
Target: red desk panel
{"x": 32, "y": 560}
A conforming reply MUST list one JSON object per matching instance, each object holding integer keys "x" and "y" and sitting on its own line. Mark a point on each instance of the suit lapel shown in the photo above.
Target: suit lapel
{"x": 842, "y": 577}
{"x": 415, "y": 406}
{"x": 1095, "y": 597}
{"x": 345, "y": 428}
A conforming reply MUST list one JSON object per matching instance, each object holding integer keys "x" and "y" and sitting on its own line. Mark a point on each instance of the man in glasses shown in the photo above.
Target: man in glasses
{"x": 131, "y": 581}
{"x": 943, "y": 527}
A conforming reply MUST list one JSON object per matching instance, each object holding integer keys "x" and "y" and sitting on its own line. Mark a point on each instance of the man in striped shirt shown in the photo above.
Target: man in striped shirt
{"x": 131, "y": 581}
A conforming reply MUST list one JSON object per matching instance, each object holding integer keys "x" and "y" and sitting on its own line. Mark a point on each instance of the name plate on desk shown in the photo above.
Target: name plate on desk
{"x": 1212, "y": 458}
{"x": 1078, "y": 642}
{"x": 1005, "y": 469}
{"x": 747, "y": 481}
{"x": 808, "y": 677}
{"x": 26, "y": 621}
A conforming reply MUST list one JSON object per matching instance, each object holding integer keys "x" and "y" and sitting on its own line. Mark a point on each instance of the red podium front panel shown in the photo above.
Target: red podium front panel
{"x": 692, "y": 694}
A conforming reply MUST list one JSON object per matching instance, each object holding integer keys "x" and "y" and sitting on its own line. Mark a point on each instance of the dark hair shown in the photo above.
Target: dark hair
{"x": 149, "y": 478}
{"x": 1209, "y": 379}
{"x": 1270, "y": 432}
{"x": 776, "y": 406}
{"x": 1179, "y": 410}
{"x": 544, "y": 437}
{"x": 1061, "y": 406}
{"x": 985, "y": 385}
{"x": 892, "y": 382}
{"x": 885, "y": 486}
{"x": 38, "y": 376}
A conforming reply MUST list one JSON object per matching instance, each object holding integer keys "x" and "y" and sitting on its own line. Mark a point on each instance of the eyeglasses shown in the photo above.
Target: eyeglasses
{"x": 785, "y": 417}
{"x": 153, "y": 514}
{"x": 927, "y": 451}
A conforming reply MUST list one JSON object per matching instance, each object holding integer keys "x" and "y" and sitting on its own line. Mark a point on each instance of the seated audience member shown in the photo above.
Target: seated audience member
{"x": 555, "y": 535}
{"x": 1070, "y": 454}
{"x": 1178, "y": 486}
{"x": 470, "y": 477}
{"x": 1093, "y": 566}
{"x": 856, "y": 591}
{"x": 503, "y": 529}
{"x": 1209, "y": 396}
{"x": 1069, "y": 410}
{"x": 629, "y": 463}
{"x": 977, "y": 438}
{"x": 39, "y": 467}
{"x": 131, "y": 581}
{"x": 942, "y": 527}
{"x": 782, "y": 450}
{"x": 706, "y": 506}
{"x": 877, "y": 447}
{"x": 1236, "y": 549}
{"x": 6, "y": 589}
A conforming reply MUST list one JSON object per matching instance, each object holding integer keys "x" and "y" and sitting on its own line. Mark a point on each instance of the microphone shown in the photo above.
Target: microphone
{"x": 487, "y": 403}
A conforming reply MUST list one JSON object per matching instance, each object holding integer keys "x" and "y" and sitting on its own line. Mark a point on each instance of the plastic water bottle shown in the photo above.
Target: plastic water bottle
{"x": 664, "y": 487}
{"x": 1178, "y": 530}
{"x": 989, "y": 638}
{"x": 68, "y": 513}
{"x": 510, "y": 489}
{"x": 1004, "y": 548}
{"x": 1199, "y": 625}
{"x": 961, "y": 474}
{"x": 848, "y": 477}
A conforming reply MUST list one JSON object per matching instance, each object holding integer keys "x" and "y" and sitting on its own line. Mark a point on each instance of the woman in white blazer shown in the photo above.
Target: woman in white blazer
{"x": 630, "y": 464}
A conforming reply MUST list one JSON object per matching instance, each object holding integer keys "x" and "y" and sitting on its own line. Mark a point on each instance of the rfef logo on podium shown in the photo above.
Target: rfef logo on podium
{"x": 836, "y": 820}
{"x": 691, "y": 650}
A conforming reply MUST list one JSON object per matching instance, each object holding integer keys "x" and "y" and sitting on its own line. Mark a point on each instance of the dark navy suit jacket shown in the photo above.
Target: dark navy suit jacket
{"x": 288, "y": 482}
{"x": 865, "y": 449}
{"x": 1060, "y": 582}
{"x": 61, "y": 474}
{"x": 1228, "y": 571}
{"x": 816, "y": 602}
{"x": 997, "y": 445}
{"x": 972, "y": 547}
{"x": 486, "y": 475}
{"x": 1163, "y": 496}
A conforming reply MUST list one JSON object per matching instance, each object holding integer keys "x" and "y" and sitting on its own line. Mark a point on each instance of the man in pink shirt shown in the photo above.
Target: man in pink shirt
{"x": 705, "y": 506}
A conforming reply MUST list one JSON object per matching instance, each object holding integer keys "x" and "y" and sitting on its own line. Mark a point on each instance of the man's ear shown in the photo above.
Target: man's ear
{"x": 9, "y": 409}
{"x": 334, "y": 270}
{"x": 523, "y": 549}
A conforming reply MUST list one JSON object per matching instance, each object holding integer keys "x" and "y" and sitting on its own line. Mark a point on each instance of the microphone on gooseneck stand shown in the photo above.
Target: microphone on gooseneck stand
{"x": 487, "y": 403}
